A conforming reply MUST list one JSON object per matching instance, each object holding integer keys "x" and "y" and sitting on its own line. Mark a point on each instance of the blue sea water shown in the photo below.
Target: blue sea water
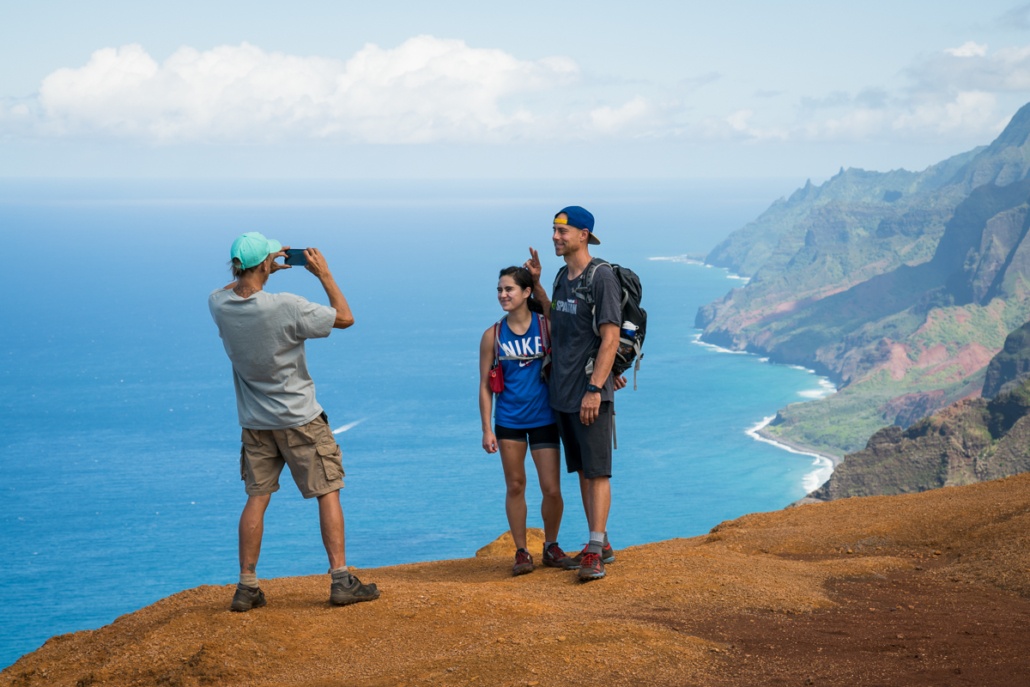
{"x": 120, "y": 482}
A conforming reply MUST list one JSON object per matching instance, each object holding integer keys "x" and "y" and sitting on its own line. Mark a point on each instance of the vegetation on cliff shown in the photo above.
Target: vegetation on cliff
{"x": 970, "y": 441}
{"x": 899, "y": 286}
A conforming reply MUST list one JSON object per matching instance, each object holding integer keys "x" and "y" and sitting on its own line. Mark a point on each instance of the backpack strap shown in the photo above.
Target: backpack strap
{"x": 497, "y": 340}
{"x": 564, "y": 270}
{"x": 587, "y": 289}
{"x": 587, "y": 279}
{"x": 545, "y": 344}
{"x": 499, "y": 354}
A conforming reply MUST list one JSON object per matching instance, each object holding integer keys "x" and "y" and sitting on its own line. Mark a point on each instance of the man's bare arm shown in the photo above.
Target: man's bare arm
{"x": 318, "y": 267}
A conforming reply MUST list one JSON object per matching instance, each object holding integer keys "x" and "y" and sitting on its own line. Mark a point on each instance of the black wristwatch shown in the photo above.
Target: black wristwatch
{"x": 593, "y": 389}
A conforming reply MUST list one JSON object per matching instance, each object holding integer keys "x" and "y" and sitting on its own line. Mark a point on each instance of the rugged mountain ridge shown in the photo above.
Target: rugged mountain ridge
{"x": 970, "y": 441}
{"x": 899, "y": 286}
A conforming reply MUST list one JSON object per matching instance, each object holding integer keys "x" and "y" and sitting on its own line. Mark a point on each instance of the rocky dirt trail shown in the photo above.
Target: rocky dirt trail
{"x": 925, "y": 589}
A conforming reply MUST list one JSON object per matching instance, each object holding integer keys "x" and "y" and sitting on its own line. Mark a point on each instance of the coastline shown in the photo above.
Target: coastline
{"x": 759, "y": 433}
{"x": 824, "y": 463}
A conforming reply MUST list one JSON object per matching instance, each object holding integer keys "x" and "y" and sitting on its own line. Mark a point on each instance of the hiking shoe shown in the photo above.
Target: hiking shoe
{"x": 607, "y": 554}
{"x": 591, "y": 567}
{"x": 346, "y": 593}
{"x": 554, "y": 557}
{"x": 247, "y": 598}
{"x": 523, "y": 563}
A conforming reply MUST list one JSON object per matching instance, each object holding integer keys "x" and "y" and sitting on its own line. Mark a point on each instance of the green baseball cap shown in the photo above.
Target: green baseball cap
{"x": 252, "y": 248}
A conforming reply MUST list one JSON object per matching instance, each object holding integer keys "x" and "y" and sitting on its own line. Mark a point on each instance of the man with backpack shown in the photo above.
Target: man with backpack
{"x": 586, "y": 313}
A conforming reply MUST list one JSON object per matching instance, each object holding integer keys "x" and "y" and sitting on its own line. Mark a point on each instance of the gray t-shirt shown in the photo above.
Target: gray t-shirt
{"x": 264, "y": 337}
{"x": 573, "y": 341}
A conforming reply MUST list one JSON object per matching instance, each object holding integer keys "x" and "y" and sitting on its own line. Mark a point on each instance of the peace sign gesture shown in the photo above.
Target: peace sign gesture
{"x": 533, "y": 265}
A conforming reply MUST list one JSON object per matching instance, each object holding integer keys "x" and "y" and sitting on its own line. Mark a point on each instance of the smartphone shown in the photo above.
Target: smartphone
{"x": 295, "y": 256}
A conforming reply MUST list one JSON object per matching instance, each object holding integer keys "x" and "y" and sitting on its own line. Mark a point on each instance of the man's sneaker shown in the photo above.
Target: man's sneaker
{"x": 346, "y": 593}
{"x": 607, "y": 554}
{"x": 554, "y": 557}
{"x": 523, "y": 563}
{"x": 591, "y": 567}
{"x": 247, "y": 598}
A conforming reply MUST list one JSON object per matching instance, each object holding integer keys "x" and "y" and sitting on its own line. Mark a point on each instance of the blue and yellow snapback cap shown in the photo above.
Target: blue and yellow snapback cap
{"x": 576, "y": 216}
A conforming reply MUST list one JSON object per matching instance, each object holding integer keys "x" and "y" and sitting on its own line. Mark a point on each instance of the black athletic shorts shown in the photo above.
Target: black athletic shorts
{"x": 588, "y": 448}
{"x": 537, "y": 437}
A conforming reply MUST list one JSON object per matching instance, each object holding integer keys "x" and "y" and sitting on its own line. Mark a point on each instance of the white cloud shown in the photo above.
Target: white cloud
{"x": 852, "y": 124}
{"x": 738, "y": 126}
{"x": 966, "y": 93}
{"x": 968, "y": 49}
{"x": 1011, "y": 70}
{"x": 425, "y": 90}
{"x": 968, "y": 112}
{"x": 616, "y": 119}
{"x": 433, "y": 90}
{"x": 962, "y": 70}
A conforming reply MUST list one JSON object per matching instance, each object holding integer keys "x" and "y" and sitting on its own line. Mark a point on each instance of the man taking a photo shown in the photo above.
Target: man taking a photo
{"x": 283, "y": 424}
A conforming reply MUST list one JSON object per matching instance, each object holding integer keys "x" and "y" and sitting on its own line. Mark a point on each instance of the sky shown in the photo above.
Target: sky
{"x": 532, "y": 90}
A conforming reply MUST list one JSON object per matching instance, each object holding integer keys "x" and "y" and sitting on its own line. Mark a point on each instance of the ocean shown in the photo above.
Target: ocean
{"x": 120, "y": 445}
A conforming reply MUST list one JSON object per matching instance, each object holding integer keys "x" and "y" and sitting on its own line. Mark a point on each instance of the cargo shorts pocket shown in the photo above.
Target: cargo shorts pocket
{"x": 331, "y": 458}
{"x": 250, "y": 446}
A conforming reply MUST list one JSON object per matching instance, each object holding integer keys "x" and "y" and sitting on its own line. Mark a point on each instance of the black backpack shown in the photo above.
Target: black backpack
{"x": 629, "y": 353}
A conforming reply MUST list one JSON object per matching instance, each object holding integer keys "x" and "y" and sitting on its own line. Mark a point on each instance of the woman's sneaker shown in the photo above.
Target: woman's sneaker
{"x": 554, "y": 557}
{"x": 344, "y": 593}
{"x": 523, "y": 563}
{"x": 247, "y": 598}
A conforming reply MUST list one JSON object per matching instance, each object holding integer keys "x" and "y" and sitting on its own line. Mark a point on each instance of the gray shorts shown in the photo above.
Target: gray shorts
{"x": 588, "y": 448}
{"x": 310, "y": 450}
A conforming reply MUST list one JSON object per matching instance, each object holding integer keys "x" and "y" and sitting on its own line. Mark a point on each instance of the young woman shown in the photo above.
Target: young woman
{"x": 522, "y": 414}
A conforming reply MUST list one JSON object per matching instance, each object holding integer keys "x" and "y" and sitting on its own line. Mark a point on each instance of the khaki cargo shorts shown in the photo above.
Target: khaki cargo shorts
{"x": 311, "y": 451}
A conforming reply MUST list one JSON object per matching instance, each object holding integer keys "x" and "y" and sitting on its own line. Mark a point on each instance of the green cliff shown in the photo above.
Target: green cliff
{"x": 970, "y": 441}
{"x": 899, "y": 286}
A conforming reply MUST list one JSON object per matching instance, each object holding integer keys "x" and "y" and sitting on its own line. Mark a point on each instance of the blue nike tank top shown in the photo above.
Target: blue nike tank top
{"x": 525, "y": 401}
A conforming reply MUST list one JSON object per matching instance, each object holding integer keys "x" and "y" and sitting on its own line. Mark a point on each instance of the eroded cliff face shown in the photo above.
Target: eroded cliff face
{"x": 971, "y": 441}
{"x": 1011, "y": 367}
{"x": 900, "y": 287}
